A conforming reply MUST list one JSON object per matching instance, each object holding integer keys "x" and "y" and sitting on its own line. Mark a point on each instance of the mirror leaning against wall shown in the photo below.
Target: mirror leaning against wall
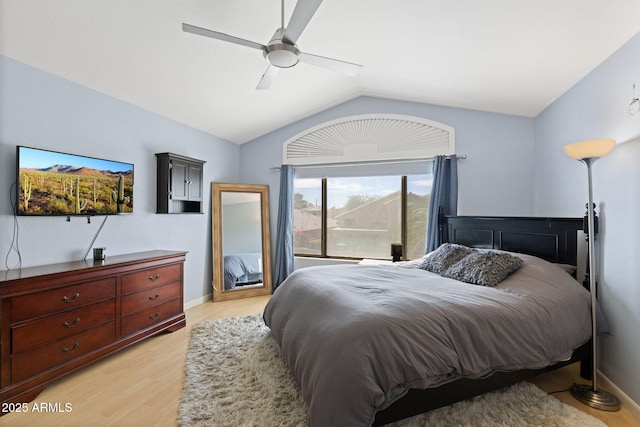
{"x": 240, "y": 240}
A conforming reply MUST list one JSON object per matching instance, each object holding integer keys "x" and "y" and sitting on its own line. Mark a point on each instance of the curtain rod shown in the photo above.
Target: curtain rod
{"x": 363, "y": 163}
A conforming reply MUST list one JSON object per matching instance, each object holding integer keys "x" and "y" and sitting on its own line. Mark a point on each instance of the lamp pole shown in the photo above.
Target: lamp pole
{"x": 590, "y": 395}
{"x": 592, "y": 274}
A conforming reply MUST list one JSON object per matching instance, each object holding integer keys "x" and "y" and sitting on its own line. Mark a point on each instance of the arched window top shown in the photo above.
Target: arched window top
{"x": 370, "y": 137}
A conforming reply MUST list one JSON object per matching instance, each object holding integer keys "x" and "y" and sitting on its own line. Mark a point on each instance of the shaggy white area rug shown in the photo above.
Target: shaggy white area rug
{"x": 235, "y": 376}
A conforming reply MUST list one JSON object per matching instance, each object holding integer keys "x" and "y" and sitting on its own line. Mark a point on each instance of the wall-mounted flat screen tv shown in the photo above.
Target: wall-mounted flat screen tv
{"x": 53, "y": 183}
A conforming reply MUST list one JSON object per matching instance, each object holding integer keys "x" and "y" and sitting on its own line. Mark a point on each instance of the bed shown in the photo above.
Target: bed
{"x": 370, "y": 344}
{"x": 242, "y": 269}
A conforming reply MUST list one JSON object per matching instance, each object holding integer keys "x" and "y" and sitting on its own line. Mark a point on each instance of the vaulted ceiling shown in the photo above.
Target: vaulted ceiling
{"x": 506, "y": 56}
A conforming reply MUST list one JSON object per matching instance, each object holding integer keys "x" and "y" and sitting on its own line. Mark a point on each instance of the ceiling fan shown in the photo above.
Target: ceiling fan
{"x": 282, "y": 51}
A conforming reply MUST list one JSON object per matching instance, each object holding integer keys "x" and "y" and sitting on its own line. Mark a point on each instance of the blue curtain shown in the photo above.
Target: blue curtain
{"x": 444, "y": 196}
{"x": 284, "y": 238}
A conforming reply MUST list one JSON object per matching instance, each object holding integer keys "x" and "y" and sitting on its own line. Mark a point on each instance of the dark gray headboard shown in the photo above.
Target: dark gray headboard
{"x": 552, "y": 239}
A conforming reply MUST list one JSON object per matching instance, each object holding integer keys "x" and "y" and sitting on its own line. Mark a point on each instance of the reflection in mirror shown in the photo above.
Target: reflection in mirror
{"x": 241, "y": 239}
{"x": 241, "y": 244}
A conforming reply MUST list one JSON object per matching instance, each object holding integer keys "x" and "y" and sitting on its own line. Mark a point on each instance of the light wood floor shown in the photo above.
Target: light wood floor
{"x": 141, "y": 386}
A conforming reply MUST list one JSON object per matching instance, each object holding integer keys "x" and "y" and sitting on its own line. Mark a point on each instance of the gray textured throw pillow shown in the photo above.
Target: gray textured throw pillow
{"x": 484, "y": 267}
{"x": 444, "y": 257}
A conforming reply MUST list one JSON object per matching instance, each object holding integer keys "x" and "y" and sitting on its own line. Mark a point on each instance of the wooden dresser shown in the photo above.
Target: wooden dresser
{"x": 57, "y": 318}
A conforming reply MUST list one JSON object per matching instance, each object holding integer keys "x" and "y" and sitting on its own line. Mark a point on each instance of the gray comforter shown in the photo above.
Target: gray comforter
{"x": 358, "y": 337}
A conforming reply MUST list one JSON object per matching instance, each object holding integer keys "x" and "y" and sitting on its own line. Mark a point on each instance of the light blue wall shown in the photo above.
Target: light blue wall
{"x": 597, "y": 107}
{"x": 495, "y": 179}
{"x": 40, "y": 110}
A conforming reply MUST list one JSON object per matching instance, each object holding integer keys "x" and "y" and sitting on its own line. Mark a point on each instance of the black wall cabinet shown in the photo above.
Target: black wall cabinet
{"x": 179, "y": 184}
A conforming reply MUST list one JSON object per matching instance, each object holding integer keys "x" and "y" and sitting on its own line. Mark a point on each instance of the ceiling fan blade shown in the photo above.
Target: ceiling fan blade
{"x": 268, "y": 78}
{"x": 331, "y": 64}
{"x": 220, "y": 36}
{"x": 302, "y": 14}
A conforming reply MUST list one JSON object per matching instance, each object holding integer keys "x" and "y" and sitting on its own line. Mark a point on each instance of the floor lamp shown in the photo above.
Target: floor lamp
{"x": 588, "y": 152}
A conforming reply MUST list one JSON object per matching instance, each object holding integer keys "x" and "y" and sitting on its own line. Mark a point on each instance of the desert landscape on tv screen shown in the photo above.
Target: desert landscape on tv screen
{"x": 52, "y": 183}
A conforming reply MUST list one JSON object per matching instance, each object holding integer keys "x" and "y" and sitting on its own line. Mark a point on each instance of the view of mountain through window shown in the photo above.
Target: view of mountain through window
{"x": 363, "y": 216}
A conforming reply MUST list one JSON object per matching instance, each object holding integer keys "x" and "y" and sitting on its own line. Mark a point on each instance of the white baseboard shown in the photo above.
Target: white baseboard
{"x": 198, "y": 301}
{"x": 625, "y": 400}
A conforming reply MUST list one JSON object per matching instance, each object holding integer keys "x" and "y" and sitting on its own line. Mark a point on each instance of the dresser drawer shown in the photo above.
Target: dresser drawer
{"x": 37, "y": 361}
{"x": 151, "y": 278}
{"x": 61, "y": 299}
{"x": 150, "y": 297}
{"x": 31, "y": 335}
{"x": 146, "y": 318}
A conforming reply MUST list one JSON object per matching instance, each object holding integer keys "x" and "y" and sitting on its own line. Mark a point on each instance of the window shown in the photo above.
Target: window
{"x": 307, "y": 216}
{"x": 363, "y": 216}
{"x": 360, "y": 217}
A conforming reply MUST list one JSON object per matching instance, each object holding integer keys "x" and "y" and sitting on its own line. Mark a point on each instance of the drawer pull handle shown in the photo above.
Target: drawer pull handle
{"x": 154, "y": 316}
{"x": 75, "y": 346}
{"x": 156, "y": 277}
{"x": 152, "y": 297}
{"x": 71, "y": 325}
{"x": 67, "y": 300}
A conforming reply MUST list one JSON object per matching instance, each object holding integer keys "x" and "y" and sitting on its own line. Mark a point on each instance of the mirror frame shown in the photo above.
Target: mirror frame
{"x": 219, "y": 293}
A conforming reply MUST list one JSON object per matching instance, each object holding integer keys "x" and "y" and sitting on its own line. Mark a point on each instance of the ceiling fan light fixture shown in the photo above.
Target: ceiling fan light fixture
{"x": 282, "y": 55}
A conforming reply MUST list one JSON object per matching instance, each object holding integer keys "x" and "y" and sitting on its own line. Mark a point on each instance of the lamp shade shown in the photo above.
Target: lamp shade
{"x": 592, "y": 148}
